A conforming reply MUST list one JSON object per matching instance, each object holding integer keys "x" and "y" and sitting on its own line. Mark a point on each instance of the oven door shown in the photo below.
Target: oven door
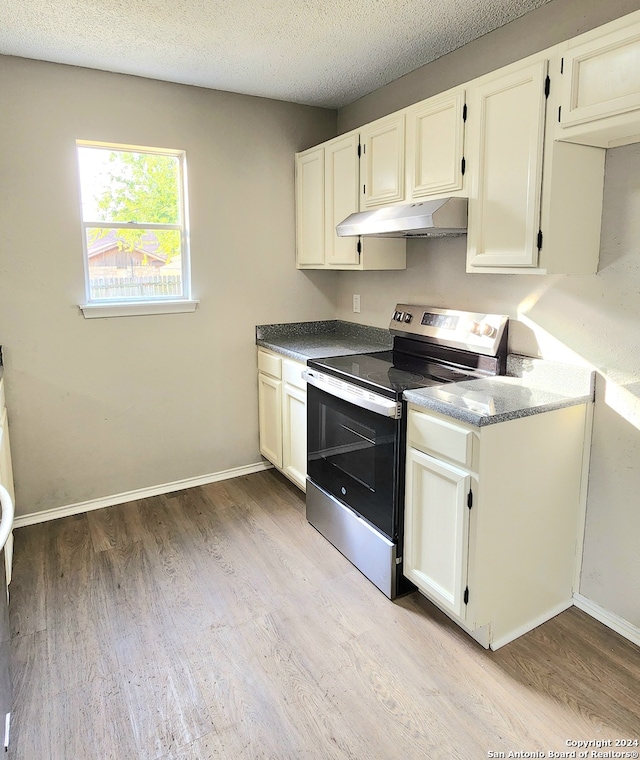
{"x": 353, "y": 454}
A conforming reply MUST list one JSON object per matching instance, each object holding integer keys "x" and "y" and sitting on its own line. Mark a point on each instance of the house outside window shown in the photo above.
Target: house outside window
{"x": 135, "y": 232}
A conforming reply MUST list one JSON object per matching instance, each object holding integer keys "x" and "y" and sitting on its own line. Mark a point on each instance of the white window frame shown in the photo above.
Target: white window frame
{"x": 124, "y": 307}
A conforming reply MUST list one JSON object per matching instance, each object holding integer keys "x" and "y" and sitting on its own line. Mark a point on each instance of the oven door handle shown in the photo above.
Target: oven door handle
{"x": 371, "y": 401}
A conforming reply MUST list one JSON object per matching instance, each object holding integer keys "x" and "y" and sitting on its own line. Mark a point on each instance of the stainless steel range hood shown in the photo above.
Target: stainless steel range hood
{"x": 439, "y": 218}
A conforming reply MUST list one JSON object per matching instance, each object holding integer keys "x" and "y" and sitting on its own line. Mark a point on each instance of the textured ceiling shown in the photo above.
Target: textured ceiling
{"x": 320, "y": 52}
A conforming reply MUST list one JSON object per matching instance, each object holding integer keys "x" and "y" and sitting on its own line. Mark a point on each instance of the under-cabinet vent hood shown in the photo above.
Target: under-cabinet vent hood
{"x": 438, "y": 218}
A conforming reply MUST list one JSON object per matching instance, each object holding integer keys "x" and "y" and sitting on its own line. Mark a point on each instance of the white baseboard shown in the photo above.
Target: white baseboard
{"x": 610, "y": 619}
{"x": 139, "y": 493}
{"x": 500, "y": 641}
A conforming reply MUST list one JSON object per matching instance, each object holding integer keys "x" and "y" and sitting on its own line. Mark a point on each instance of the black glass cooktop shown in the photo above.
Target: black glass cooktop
{"x": 389, "y": 372}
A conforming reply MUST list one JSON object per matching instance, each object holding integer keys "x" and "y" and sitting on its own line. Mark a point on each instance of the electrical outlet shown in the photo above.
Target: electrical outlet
{"x": 356, "y": 304}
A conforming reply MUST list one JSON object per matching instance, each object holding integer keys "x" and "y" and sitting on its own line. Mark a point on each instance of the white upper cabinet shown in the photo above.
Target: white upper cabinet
{"x": 435, "y": 146}
{"x": 506, "y": 138}
{"x": 600, "y": 101}
{"x": 327, "y": 192}
{"x": 342, "y": 176}
{"x": 535, "y": 203}
{"x": 529, "y": 156}
{"x": 310, "y": 207}
{"x": 382, "y": 165}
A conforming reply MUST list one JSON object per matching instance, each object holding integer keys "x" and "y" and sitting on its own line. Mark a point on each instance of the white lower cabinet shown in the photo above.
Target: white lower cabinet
{"x": 493, "y": 518}
{"x": 437, "y": 539}
{"x": 282, "y": 410}
{"x": 294, "y": 439}
{"x": 6, "y": 473}
{"x": 270, "y": 415}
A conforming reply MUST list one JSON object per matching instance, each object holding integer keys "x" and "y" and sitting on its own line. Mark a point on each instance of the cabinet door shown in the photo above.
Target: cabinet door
{"x": 6, "y": 478}
{"x": 382, "y": 162}
{"x": 435, "y": 139}
{"x": 310, "y": 208}
{"x": 601, "y": 77}
{"x": 436, "y": 531}
{"x": 6, "y": 471}
{"x": 342, "y": 181}
{"x": 294, "y": 444}
{"x": 506, "y": 138}
{"x": 270, "y": 418}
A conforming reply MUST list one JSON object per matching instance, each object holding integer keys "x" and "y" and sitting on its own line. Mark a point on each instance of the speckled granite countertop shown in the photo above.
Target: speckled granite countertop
{"x": 531, "y": 386}
{"x": 315, "y": 340}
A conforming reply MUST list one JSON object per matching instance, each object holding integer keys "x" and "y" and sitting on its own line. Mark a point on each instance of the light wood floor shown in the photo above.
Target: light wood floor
{"x": 216, "y": 623}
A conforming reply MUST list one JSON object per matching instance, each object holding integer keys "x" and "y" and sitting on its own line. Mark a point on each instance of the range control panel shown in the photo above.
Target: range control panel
{"x": 449, "y": 327}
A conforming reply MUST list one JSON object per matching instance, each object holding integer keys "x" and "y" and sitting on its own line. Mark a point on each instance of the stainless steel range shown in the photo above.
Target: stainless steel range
{"x": 356, "y": 428}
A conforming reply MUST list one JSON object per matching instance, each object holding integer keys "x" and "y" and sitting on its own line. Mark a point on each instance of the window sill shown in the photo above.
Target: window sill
{"x": 136, "y": 308}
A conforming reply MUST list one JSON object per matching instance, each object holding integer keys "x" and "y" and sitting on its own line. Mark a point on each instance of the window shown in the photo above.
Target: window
{"x": 134, "y": 220}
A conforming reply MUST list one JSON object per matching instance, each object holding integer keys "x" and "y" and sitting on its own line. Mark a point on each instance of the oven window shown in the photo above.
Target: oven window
{"x": 349, "y": 445}
{"x": 352, "y": 454}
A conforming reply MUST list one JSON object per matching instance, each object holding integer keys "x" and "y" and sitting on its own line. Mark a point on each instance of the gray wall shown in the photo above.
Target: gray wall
{"x": 103, "y": 406}
{"x": 592, "y": 319}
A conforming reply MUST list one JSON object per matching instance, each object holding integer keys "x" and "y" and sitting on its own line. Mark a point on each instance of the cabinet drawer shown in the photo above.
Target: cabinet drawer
{"x": 440, "y": 437}
{"x": 292, "y": 373}
{"x": 270, "y": 364}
